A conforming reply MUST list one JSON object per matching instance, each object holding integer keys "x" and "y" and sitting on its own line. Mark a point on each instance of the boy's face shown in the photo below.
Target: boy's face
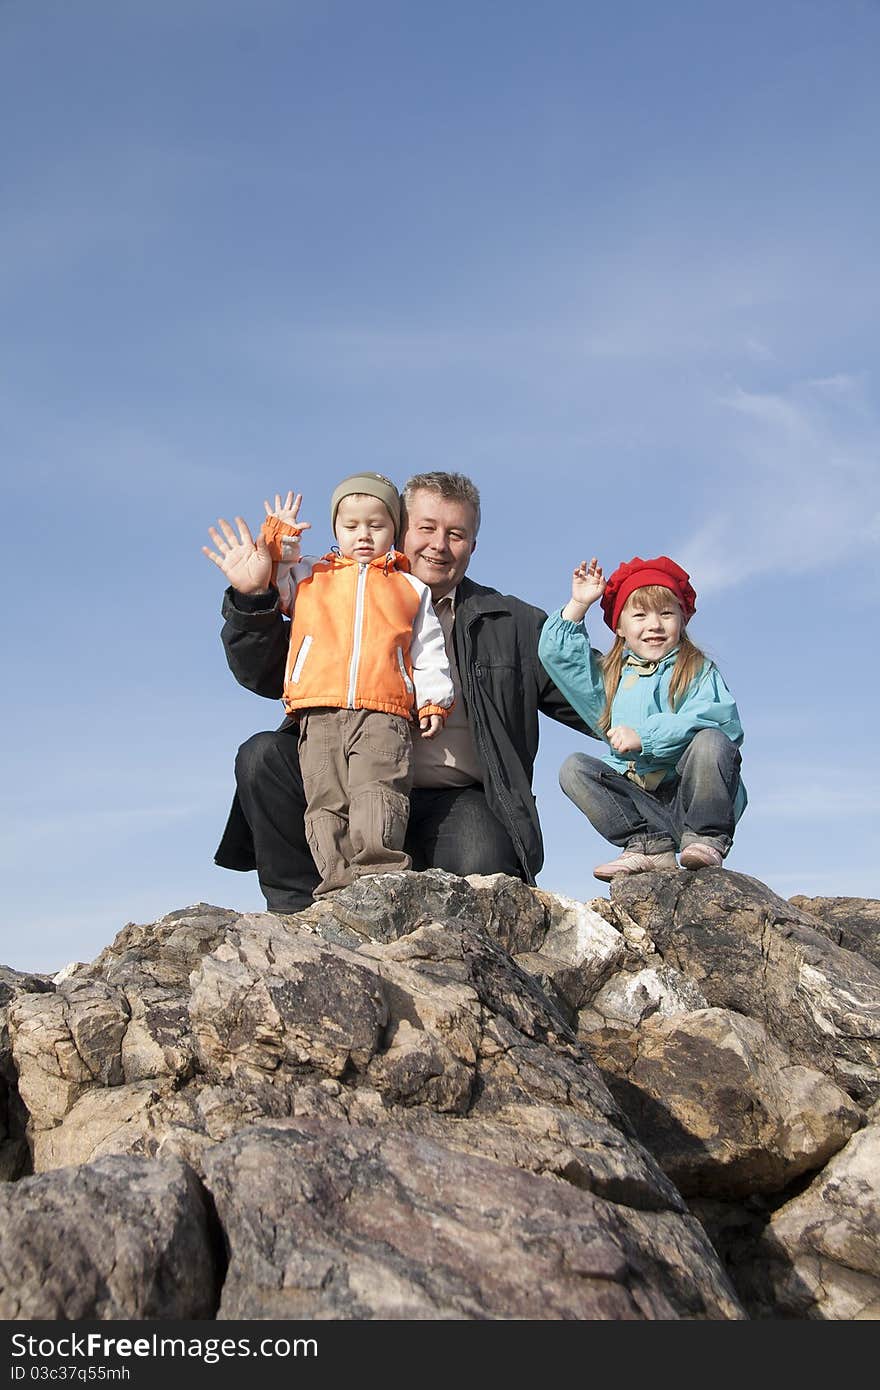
{"x": 650, "y": 632}
{"x": 364, "y": 528}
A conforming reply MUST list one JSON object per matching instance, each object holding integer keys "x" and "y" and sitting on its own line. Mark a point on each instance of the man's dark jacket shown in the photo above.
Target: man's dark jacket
{"x": 503, "y": 685}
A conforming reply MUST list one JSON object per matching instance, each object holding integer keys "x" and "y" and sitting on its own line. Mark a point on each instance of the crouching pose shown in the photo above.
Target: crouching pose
{"x": 671, "y": 779}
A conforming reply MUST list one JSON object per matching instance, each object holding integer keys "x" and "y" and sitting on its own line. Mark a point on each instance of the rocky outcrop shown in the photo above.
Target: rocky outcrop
{"x": 853, "y": 923}
{"x": 753, "y": 953}
{"x": 820, "y": 1252}
{"x": 721, "y": 1105}
{"x": 119, "y": 1238}
{"x": 14, "y": 1153}
{"x": 327, "y": 1220}
{"x": 432, "y": 1097}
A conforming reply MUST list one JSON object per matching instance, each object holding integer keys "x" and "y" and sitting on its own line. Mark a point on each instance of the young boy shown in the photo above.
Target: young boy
{"x": 365, "y": 649}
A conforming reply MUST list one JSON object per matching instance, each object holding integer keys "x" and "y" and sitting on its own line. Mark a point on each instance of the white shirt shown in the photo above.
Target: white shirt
{"x": 450, "y": 758}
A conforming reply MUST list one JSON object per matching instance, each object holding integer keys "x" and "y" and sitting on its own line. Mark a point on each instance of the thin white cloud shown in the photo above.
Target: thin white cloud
{"x": 759, "y": 350}
{"x": 840, "y": 382}
{"x": 107, "y": 822}
{"x": 812, "y": 801}
{"x": 803, "y": 490}
{"x": 353, "y": 351}
{"x": 785, "y": 788}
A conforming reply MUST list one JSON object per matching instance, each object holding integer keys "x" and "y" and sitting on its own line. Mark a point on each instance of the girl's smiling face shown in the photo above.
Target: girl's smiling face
{"x": 651, "y": 623}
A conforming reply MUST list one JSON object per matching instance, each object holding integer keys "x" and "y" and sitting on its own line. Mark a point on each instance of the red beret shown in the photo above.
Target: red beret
{"x": 637, "y": 574}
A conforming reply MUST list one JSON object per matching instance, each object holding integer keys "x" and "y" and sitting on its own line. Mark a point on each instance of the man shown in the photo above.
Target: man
{"x": 471, "y": 808}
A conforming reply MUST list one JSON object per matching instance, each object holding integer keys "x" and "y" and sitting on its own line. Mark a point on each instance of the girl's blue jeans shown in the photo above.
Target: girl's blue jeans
{"x": 696, "y": 804}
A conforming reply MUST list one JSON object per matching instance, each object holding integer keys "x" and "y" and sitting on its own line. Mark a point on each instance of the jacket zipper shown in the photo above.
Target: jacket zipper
{"x": 482, "y": 749}
{"x": 358, "y": 633}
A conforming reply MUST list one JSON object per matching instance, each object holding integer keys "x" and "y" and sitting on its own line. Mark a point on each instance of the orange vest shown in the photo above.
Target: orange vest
{"x": 363, "y": 636}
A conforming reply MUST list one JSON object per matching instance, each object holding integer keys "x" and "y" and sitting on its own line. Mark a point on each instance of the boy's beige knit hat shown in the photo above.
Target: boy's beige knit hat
{"x": 374, "y": 485}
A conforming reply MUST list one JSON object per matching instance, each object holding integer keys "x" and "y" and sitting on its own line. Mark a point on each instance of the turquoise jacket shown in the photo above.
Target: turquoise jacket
{"x": 642, "y": 701}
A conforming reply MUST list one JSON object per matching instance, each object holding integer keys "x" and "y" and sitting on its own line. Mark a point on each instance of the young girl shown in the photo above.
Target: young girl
{"x": 671, "y": 780}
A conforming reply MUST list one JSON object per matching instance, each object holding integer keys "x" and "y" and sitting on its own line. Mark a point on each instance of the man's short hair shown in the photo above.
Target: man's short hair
{"x": 452, "y": 487}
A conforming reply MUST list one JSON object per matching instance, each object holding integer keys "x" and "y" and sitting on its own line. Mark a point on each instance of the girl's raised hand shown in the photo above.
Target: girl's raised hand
{"x": 246, "y": 563}
{"x": 288, "y": 511}
{"x": 587, "y": 583}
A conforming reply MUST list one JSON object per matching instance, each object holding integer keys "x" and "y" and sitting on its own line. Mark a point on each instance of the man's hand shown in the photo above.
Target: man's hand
{"x": 247, "y": 564}
{"x": 430, "y": 725}
{"x": 623, "y": 739}
{"x": 587, "y": 585}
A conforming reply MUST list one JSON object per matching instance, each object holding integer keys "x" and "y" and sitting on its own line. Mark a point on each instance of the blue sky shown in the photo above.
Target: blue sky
{"x": 618, "y": 263}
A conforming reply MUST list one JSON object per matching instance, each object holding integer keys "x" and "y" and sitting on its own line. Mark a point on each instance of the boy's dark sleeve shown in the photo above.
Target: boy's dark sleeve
{"x": 550, "y": 700}
{"x": 255, "y": 638}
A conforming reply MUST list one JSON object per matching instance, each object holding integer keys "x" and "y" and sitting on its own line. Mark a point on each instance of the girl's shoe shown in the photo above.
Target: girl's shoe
{"x": 700, "y": 856}
{"x": 632, "y": 862}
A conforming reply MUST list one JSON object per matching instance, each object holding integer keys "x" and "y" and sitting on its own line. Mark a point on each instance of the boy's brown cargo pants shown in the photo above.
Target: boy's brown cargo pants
{"x": 357, "y": 774}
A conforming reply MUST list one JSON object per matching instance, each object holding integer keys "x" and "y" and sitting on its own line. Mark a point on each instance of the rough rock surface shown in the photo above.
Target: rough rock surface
{"x": 853, "y": 923}
{"x": 751, "y": 951}
{"x": 393, "y": 1104}
{"x": 816, "y": 1255}
{"x": 820, "y": 1253}
{"x": 14, "y": 1154}
{"x": 721, "y": 1105}
{"x": 329, "y": 1220}
{"x": 120, "y": 1238}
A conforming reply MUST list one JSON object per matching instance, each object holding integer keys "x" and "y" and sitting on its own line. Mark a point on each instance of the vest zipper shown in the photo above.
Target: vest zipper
{"x": 358, "y": 627}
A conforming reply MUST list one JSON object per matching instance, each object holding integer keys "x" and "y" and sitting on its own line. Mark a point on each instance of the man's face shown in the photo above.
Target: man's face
{"x": 440, "y": 540}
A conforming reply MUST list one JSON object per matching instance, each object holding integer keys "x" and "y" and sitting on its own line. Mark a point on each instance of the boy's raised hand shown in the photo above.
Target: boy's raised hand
{"x": 246, "y": 563}
{"x": 587, "y": 585}
{"x": 288, "y": 511}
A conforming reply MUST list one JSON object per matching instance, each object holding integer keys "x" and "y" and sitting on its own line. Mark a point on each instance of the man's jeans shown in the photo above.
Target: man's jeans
{"x": 696, "y": 804}
{"x": 450, "y": 828}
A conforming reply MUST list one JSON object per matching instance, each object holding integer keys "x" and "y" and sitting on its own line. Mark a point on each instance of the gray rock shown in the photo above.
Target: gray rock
{"x": 721, "y": 1106}
{"x": 560, "y": 982}
{"x": 582, "y": 939}
{"x": 631, "y": 998}
{"x": 120, "y": 1238}
{"x": 164, "y": 952}
{"x": 121, "y": 1020}
{"x": 326, "y": 1221}
{"x": 280, "y": 1022}
{"x": 580, "y": 951}
{"x": 14, "y": 1153}
{"x": 853, "y": 923}
{"x": 820, "y": 1254}
{"x": 383, "y": 908}
{"x": 751, "y": 951}
{"x": 420, "y": 1023}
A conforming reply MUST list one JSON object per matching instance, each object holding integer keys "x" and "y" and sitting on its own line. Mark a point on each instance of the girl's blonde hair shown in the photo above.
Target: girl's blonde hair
{"x": 689, "y": 660}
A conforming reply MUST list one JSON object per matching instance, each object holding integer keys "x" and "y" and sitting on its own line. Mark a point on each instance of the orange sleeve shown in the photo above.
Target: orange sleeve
{"x": 435, "y": 709}
{"x": 273, "y": 529}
